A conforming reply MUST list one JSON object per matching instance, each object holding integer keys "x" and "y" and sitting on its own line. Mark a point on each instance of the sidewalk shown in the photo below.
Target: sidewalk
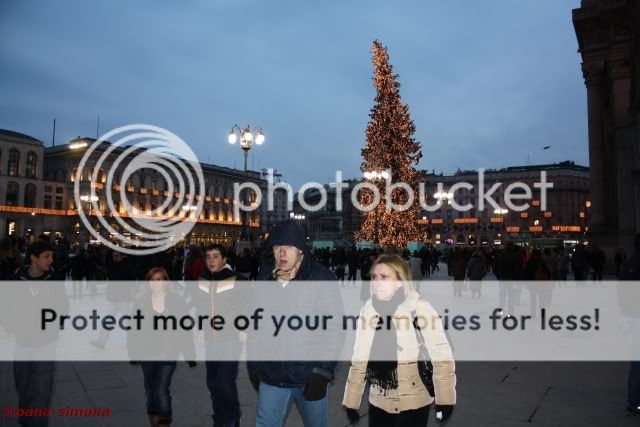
{"x": 489, "y": 394}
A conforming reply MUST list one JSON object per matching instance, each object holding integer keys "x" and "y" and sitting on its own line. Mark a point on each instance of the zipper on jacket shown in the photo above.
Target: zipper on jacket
{"x": 285, "y": 376}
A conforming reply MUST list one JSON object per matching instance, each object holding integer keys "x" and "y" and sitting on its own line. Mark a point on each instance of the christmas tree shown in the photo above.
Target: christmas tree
{"x": 390, "y": 146}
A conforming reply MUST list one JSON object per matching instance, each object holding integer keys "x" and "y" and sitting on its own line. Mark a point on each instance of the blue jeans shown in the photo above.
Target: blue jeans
{"x": 157, "y": 380}
{"x": 274, "y": 404}
{"x": 34, "y": 384}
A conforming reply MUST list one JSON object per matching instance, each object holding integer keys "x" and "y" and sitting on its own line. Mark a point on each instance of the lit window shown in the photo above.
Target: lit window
{"x": 14, "y": 158}
{"x": 32, "y": 162}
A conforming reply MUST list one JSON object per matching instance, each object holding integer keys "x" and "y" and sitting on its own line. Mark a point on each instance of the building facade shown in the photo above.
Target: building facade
{"x": 23, "y": 189}
{"x": 38, "y": 193}
{"x": 608, "y": 34}
{"x": 281, "y": 208}
{"x": 337, "y": 220}
{"x": 564, "y": 217}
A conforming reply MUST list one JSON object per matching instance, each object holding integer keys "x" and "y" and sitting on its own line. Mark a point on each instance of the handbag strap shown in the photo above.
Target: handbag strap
{"x": 418, "y": 331}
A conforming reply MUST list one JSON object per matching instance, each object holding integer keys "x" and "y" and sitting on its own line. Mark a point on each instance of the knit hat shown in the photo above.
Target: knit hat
{"x": 288, "y": 233}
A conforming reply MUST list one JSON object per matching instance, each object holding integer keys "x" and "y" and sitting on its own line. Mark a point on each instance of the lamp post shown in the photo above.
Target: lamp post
{"x": 375, "y": 176}
{"x": 247, "y": 138}
{"x": 89, "y": 200}
{"x": 502, "y": 212}
{"x": 427, "y": 234}
{"x": 444, "y": 197}
{"x": 587, "y": 205}
{"x": 188, "y": 210}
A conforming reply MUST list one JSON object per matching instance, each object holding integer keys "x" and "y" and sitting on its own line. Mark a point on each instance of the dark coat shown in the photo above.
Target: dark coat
{"x": 628, "y": 295}
{"x": 117, "y": 272}
{"x": 300, "y": 299}
{"x": 26, "y": 303}
{"x": 509, "y": 265}
{"x": 226, "y": 294}
{"x": 163, "y": 345}
{"x": 477, "y": 268}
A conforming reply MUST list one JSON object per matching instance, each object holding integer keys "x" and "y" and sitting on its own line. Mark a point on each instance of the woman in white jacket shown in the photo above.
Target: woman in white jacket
{"x": 397, "y": 395}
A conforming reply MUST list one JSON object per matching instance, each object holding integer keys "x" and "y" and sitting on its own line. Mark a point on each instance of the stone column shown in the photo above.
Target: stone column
{"x": 594, "y": 79}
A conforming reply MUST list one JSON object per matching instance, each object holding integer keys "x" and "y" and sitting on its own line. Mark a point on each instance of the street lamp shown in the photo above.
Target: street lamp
{"x": 247, "y": 138}
{"x": 89, "y": 200}
{"x": 502, "y": 212}
{"x": 376, "y": 175}
{"x": 444, "y": 196}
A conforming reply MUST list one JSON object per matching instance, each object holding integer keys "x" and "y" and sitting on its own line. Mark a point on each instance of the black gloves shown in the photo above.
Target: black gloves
{"x": 352, "y": 415}
{"x": 443, "y": 412}
{"x": 316, "y": 387}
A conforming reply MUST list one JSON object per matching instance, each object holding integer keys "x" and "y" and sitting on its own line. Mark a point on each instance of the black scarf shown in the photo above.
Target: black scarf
{"x": 383, "y": 372}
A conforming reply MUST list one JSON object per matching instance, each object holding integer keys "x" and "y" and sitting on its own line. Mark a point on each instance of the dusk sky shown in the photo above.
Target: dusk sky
{"x": 488, "y": 83}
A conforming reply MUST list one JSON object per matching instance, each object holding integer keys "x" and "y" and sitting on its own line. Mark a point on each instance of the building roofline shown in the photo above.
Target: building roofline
{"x": 564, "y": 165}
{"x": 206, "y": 167}
{"x": 18, "y": 135}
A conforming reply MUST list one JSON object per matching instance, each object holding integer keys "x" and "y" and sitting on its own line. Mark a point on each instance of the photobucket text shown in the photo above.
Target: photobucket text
{"x": 515, "y": 197}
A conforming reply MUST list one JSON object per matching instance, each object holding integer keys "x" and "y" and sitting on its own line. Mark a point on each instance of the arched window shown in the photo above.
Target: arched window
{"x": 12, "y": 194}
{"x": 32, "y": 163}
{"x": 30, "y": 195}
{"x": 14, "y": 159}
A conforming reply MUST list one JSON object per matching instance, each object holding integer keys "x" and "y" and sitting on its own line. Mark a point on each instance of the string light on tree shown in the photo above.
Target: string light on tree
{"x": 390, "y": 146}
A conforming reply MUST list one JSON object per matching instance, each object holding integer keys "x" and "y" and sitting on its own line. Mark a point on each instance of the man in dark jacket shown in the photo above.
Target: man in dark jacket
{"x": 579, "y": 264}
{"x": 597, "y": 260}
{"x": 352, "y": 260}
{"x": 629, "y": 303}
{"x": 301, "y": 382}
{"x": 119, "y": 293}
{"x": 34, "y": 378}
{"x": 221, "y": 292}
{"x": 509, "y": 269}
{"x": 365, "y": 275}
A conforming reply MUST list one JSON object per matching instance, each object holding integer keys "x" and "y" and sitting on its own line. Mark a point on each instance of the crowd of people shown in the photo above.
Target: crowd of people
{"x": 216, "y": 278}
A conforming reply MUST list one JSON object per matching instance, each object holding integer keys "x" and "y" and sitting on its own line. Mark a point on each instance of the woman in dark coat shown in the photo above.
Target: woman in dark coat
{"x": 158, "y": 298}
